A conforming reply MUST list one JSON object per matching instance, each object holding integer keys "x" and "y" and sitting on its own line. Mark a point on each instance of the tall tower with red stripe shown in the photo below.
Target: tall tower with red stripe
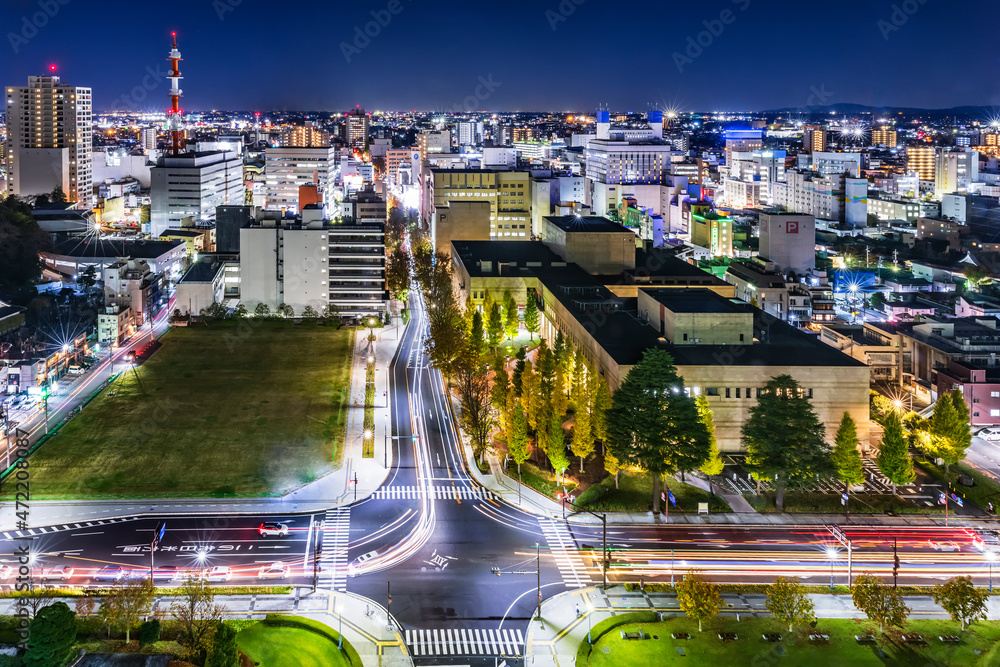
{"x": 174, "y": 113}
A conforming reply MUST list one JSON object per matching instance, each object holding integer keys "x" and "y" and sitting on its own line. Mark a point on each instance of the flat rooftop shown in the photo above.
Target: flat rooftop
{"x": 696, "y": 301}
{"x": 94, "y": 248}
{"x": 586, "y": 223}
{"x": 614, "y": 322}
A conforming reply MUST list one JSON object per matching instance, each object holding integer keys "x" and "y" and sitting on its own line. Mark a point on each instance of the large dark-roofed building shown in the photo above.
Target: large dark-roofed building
{"x": 724, "y": 348}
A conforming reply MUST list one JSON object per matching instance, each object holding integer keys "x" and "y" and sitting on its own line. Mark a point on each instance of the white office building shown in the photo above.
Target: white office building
{"x": 833, "y": 197}
{"x": 313, "y": 262}
{"x": 287, "y": 169}
{"x": 612, "y": 161}
{"x": 50, "y": 139}
{"x": 191, "y": 185}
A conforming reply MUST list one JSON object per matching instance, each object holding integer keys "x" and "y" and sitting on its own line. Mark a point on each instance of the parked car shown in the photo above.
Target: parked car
{"x": 75, "y": 370}
{"x": 218, "y": 573}
{"x": 272, "y": 529}
{"x": 61, "y": 573}
{"x": 5, "y": 572}
{"x": 110, "y": 573}
{"x": 276, "y": 570}
{"x": 990, "y": 434}
{"x": 359, "y": 561}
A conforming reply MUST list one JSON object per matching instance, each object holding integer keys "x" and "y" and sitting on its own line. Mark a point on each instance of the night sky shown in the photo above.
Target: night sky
{"x": 538, "y": 55}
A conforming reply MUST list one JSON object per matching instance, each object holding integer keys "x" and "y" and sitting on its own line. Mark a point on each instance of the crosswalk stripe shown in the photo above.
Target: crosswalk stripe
{"x": 464, "y": 642}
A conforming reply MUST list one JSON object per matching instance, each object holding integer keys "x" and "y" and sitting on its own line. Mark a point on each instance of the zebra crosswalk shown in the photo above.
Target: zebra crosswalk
{"x": 567, "y": 557}
{"x": 30, "y": 532}
{"x": 445, "y": 492}
{"x": 464, "y": 642}
{"x": 334, "y": 538}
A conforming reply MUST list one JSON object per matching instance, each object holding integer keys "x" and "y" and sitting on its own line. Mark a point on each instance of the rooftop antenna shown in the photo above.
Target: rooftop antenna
{"x": 174, "y": 113}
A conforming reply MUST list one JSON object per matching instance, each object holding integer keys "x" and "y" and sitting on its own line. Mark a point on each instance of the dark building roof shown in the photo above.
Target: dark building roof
{"x": 614, "y": 323}
{"x": 585, "y": 223}
{"x": 201, "y": 272}
{"x": 94, "y": 248}
{"x": 190, "y": 233}
{"x": 697, "y": 301}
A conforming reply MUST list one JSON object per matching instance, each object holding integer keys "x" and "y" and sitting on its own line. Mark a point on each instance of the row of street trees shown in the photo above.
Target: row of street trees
{"x": 789, "y": 602}
{"x": 205, "y": 638}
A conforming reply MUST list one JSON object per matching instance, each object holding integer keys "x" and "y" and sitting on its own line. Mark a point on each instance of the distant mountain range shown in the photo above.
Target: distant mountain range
{"x": 977, "y": 112}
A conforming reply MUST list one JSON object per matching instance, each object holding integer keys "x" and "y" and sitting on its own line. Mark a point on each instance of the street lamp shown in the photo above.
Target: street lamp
{"x": 831, "y": 553}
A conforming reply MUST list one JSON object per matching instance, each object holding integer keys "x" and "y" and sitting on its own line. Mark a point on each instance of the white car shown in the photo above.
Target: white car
{"x": 61, "y": 573}
{"x": 5, "y": 572}
{"x": 359, "y": 561}
{"x": 276, "y": 570}
{"x": 218, "y": 573}
{"x": 990, "y": 434}
{"x": 271, "y": 529}
{"x": 944, "y": 546}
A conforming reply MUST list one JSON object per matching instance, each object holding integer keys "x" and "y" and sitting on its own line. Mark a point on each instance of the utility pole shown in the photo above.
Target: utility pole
{"x": 161, "y": 528}
{"x": 315, "y": 560}
{"x": 538, "y": 566}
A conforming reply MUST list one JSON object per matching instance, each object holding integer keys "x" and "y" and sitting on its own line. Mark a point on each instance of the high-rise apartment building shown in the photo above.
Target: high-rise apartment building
{"x": 523, "y": 134}
{"x": 49, "y": 139}
{"x": 356, "y": 129}
{"x": 920, "y": 159}
{"x": 305, "y": 136}
{"x": 149, "y": 138}
{"x": 884, "y": 136}
{"x": 467, "y": 134}
{"x": 954, "y": 171}
{"x": 813, "y": 138}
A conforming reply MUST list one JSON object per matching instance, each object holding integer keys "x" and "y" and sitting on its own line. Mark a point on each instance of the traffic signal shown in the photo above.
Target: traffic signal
{"x": 895, "y": 565}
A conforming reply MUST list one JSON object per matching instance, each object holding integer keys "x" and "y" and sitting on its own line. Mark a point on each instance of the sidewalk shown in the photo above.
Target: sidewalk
{"x": 554, "y": 640}
{"x": 335, "y": 489}
{"x": 366, "y": 625}
{"x": 534, "y": 502}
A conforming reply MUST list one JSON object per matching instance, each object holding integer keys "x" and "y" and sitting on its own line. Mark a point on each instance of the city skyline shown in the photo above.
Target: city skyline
{"x": 366, "y": 56}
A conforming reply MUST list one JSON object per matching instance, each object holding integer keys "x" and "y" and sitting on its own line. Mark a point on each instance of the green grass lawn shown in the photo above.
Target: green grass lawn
{"x": 635, "y": 494}
{"x": 751, "y": 649}
{"x": 218, "y": 410}
{"x": 540, "y": 480}
{"x": 280, "y": 646}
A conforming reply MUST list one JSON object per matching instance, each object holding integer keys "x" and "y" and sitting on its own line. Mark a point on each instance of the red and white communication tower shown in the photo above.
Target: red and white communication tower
{"x": 174, "y": 113}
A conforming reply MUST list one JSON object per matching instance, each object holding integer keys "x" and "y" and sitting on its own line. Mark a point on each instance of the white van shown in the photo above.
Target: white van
{"x": 75, "y": 370}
